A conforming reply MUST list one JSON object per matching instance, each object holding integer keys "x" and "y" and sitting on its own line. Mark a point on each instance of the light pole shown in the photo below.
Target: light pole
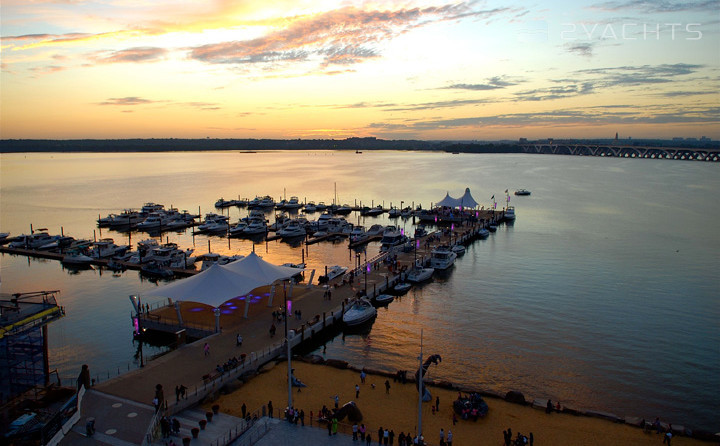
{"x": 287, "y": 341}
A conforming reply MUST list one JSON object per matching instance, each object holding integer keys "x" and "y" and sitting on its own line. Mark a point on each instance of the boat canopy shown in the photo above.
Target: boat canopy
{"x": 466, "y": 201}
{"x": 220, "y": 283}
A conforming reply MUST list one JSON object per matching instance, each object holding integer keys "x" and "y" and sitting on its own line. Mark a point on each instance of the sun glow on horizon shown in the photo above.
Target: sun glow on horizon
{"x": 415, "y": 70}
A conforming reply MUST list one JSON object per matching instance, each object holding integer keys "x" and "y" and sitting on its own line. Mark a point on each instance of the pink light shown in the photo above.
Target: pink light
{"x": 289, "y": 306}
{"x": 452, "y": 227}
{"x": 367, "y": 267}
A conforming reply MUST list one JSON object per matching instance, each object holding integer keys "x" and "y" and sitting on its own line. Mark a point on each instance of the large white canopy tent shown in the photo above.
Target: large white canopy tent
{"x": 220, "y": 283}
{"x": 466, "y": 201}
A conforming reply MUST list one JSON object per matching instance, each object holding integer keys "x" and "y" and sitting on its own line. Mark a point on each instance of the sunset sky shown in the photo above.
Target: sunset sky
{"x": 471, "y": 70}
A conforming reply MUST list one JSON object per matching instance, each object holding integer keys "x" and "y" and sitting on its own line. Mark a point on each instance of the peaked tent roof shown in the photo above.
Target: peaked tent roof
{"x": 213, "y": 287}
{"x": 254, "y": 266}
{"x": 448, "y": 201}
{"x": 467, "y": 201}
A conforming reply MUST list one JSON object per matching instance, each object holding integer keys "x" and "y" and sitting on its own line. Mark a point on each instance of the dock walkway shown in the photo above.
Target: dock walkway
{"x": 188, "y": 365}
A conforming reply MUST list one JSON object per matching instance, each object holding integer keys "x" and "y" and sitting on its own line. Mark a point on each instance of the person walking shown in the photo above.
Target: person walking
{"x": 355, "y": 431}
{"x": 270, "y": 409}
{"x": 449, "y": 438}
{"x": 362, "y": 376}
{"x": 206, "y": 349}
{"x": 387, "y": 386}
{"x": 357, "y": 391}
{"x": 437, "y": 404}
{"x": 238, "y": 340}
{"x": 442, "y": 436}
{"x": 334, "y": 425}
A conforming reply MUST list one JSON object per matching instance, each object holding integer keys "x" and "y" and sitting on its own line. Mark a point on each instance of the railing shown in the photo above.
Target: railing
{"x": 253, "y": 421}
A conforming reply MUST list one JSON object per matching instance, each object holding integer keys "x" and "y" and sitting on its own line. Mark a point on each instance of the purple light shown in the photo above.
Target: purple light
{"x": 233, "y": 307}
{"x": 436, "y": 219}
{"x": 402, "y": 232}
{"x": 136, "y": 324}
{"x": 289, "y": 306}
{"x": 226, "y": 312}
{"x": 477, "y": 214}
{"x": 452, "y": 228}
{"x": 367, "y": 267}
{"x": 417, "y": 243}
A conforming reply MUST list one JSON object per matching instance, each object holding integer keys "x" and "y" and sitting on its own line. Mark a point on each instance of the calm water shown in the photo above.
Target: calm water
{"x": 602, "y": 295}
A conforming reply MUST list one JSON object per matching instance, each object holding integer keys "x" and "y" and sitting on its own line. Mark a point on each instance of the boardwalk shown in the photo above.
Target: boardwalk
{"x": 122, "y": 406}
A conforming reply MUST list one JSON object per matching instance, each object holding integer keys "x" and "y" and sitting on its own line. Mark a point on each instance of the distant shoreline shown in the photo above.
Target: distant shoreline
{"x": 152, "y": 145}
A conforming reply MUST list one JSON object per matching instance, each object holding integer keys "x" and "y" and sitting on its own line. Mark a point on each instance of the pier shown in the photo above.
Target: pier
{"x": 121, "y": 404}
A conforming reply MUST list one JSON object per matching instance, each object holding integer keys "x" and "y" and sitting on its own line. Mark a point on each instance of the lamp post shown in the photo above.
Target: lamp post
{"x": 287, "y": 341}
{"x": 365, "y": 271}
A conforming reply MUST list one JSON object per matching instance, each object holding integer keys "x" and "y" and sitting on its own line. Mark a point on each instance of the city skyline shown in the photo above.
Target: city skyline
{"x": 393, "y": 70}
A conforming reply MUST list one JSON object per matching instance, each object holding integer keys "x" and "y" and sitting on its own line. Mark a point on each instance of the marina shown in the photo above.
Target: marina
{"x": 505, "y": 266}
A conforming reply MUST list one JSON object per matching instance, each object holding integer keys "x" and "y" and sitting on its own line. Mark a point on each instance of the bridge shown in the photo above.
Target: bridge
{"x": 624, "y": 151}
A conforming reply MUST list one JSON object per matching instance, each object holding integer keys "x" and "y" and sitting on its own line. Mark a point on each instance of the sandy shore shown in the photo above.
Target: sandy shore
{"x": 397, "y": 410}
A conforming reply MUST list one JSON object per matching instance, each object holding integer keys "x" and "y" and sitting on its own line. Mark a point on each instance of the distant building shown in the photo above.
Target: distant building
{"x": 525, "y": 140}
{"x": 705, "y": 138}
{"x": 678, "y": 138}
{"x": 616, "y": 136}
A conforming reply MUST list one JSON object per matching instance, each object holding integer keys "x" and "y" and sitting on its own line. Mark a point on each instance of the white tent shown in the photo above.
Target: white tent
{"x": 213, "y": 287}
{"x": 448, "y": 201}
{"x": 467, "y": 201}
{"x": 257, "y": 268}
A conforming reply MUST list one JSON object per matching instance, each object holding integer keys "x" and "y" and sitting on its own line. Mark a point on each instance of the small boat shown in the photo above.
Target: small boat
{"x": 76, "y": 258}
{"x": 343, "y": 210}
{"x": 458, "y": 249}
{"x": 310, "y": 207}
{"x": 214, "y": 223}
{"x": 402, "y": 287}
{"x": 420, "y": 231}
{"x": 442, "y": 257}
{"x": 483, "y": 233}
{"x": 321, "y": 206}
{"x": 154, "y": 221}
{"x": 522, "y": 192}
{"x": 4, "y": 235}
{"x": 394, "y": 213}
{"x": 383, "y": 299}
{"x": 492, "y": 227}
{"x": 335, "y": 271}
{"x": 509, "y": 214}
{"x": 374, "y": 212}
{"x": 222, "y": 203}
{"x": 360, "y": 311}
{"x": 419, "y": 274}
{"x": 238, "y": 228}
{"x": 407, "y": 212}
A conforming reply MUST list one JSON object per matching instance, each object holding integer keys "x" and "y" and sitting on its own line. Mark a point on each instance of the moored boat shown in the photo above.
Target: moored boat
{"x": 359, "y": 312}
{"x": 442, "y": 257}
{"x": 522, "y": 192}
{"x": 383, "y": 299}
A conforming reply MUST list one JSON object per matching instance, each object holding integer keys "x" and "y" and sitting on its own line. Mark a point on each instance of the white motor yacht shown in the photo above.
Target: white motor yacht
{"x": 509, "y": 213}
{"x": 76, "y": 258}
{"x": 214, "y": 223}
{"x": 310, "y": 207}
{"x": 442, "y": 257}
{"x": 238, "y": 228}
{"x": 154, "y": 221}
{"x": 392, "y": 237}
{"x": 338, "y": 225}
{"x": 335, "y": 271}
{"x": 375, "y": 230}
{"x": 358, "y": 234}
{"x": 360, "y": 311}
{"x": 255, "y": 226}
{"x": 321, "y": 206}
{"x": 483, "y": 233}
{"x": 394, "y": 213}
{"x": 293, "y": 229}
{"x": 383, "y": 299}
{"x": 293, "y": 203}
{"x": 106, "y": 248}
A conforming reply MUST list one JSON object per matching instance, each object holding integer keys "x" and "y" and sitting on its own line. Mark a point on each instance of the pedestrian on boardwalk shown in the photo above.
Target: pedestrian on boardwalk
{"x": 368, "y": 439}
{"x": 334, "y": 425}
{"x": 329, "y": 428}
{"x": 270, "y": 409}
{"x": 549, "y": 407}
{"x": 532, "y": 439}
{"x": 392, "y": 437}
{"x": 302, "y": 417}
{"x": 177, "y": 394}
{"x": 386, "y": 437}
{"x": 355, "y": 431}
{"x": 380, "y": 435}
{"x": 387, "y": 386}
{"x": 206, "y": 349}
{"x": 175, "y": 426}
{"x": 437, "y": 403}
{"x": 442, "y": 435}
{"x": 449, "y": 438}
{"x": 243, "y": 409}
{"x": 357, "y": 391}
{"x": 362, "y": 432}
{"x": 362, "y": 376}
{"x": 160, "y": 396}
{"x": 337, "y": 401}
{"x": 238, "y": 341}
